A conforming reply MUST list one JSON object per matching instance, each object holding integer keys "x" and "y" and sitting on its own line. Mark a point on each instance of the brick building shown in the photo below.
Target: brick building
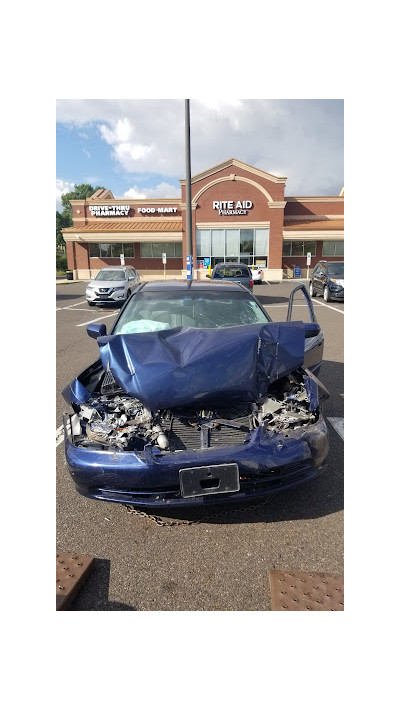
{"x": 239, "y": 213}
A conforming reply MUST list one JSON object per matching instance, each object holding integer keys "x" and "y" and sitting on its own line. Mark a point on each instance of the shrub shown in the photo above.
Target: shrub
{"x": 61, "y": 262}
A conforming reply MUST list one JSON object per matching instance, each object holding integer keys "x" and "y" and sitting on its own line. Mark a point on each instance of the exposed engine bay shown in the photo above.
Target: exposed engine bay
{"x": 113, "y": 420}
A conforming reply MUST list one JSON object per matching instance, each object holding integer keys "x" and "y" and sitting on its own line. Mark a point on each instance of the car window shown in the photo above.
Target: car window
{"x": 336, "y": 270}
{"x": 232, "y": 272}
{"x": 110, "y": 275}
{"x": 157, "y": 312}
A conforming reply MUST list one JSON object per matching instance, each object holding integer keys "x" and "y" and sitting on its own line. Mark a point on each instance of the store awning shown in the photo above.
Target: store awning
{"x": 128, "y": 226}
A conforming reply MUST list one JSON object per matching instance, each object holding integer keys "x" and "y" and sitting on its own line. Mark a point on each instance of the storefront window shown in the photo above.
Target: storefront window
{"x": 246, "y": 242}
{"x": 128, "y": 250}
{"x": 298, "y": 249}
{"x": 104, "y": 250}
{"x": 203, "y": 242}
{"x": 261, "y": 243}
{"x": 232, "y": 245}
{"x": 155, "y": 250}
{"x": 333, "y": 248}
{"x": 218, "y": 243}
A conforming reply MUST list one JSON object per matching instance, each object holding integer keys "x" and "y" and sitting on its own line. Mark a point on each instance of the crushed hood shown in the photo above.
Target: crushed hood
{"x": 193, "y": 367}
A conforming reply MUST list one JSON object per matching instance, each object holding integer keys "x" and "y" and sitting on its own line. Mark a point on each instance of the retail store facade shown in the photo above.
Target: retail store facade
{"x": 239, "y": 213}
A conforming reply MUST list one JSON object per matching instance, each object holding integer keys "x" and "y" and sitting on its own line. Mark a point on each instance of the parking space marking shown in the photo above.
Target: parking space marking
{"x": 338, "y": 425}
{"x": 71, "y": 306}
{"x": 326, "y": 305}
{"x": 59, "y": 435}
{"x": 97, "y": 319}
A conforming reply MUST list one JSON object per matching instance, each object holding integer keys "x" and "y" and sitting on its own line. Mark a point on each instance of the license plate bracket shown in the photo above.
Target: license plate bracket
{"x": 214, "y": 479}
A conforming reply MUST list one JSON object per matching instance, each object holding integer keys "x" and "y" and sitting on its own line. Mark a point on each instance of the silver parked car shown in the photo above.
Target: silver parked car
{"x": 112, "y": 285}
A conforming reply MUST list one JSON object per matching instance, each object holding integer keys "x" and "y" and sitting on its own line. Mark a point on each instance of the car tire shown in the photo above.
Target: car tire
{"x": 311, "y": 290}
{"x": 90, "y": 303}
{"x": 327, "y": 296}
{"x": 128, "y": 293}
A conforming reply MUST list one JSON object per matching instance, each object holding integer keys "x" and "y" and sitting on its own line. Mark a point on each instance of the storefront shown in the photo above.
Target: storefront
{"x": 239, "y": 213}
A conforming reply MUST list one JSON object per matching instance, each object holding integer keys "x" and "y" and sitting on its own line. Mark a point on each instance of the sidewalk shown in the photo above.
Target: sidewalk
{"x": 64, "y": 280}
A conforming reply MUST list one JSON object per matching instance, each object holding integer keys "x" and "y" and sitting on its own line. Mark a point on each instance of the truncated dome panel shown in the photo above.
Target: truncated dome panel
{"x": 296, "y": 590}
{"x": 71, "y": 572}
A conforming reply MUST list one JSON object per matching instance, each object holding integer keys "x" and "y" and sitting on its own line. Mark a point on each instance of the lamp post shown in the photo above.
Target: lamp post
{"x": 189, "y": 258}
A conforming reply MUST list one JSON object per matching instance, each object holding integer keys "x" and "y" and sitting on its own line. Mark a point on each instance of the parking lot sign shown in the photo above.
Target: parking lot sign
{"x": 164, "y": 257}
{"x": 308, "y": 258}
{"x": 189, "y": 266}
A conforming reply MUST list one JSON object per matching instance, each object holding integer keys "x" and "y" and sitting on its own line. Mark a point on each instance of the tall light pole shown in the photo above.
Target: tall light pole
{"x": 189, "y": 251}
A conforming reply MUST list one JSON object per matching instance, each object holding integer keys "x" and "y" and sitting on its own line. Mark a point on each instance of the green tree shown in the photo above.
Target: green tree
{"x": 64, "y": 218}
{"x": 61, "y": 221}
{"x": 80, "y": 192}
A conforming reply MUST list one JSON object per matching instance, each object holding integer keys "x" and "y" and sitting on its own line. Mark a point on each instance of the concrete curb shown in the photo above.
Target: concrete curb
{"x": 68, "y": 281}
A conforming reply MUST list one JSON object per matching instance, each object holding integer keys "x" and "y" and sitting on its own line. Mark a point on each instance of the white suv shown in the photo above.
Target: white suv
{"x": 111, "y": 285}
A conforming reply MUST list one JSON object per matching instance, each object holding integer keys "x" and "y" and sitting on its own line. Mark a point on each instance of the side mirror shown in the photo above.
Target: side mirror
{"x": 208, "y": 276}
{"x": 311, "y": 330}
{"x": 95, "y": 330}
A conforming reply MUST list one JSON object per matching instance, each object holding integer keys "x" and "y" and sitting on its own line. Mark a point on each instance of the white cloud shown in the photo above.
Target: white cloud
{"x": 148, "y": 136}
{"x": 163, "y": 190}
{"x": 62, "y": 186}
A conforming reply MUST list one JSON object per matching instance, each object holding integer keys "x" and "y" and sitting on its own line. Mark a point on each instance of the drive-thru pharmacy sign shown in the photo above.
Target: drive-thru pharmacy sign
{"x": 109, "y": 210}
{"x": 229, "y": 207}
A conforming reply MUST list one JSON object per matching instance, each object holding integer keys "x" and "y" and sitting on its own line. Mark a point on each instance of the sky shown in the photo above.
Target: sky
{"x": 136, "y": 148}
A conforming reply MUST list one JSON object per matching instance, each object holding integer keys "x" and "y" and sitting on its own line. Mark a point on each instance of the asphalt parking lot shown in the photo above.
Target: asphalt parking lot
{"x": 221, "y": 563}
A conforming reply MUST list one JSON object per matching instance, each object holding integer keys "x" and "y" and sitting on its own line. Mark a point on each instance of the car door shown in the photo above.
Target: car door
{"x": 314, "y": 344}
{"x": 316, "y": 278}
{"x": 132, "y": 277}
{"x": 322, "y": 278}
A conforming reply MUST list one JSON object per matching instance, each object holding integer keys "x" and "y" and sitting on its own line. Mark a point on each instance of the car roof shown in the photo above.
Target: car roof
{"x": 231, "y": 264}
{"x": 186, "y": 284}
{"x": 337, "y": 261}
{"x": 105, "y": 269}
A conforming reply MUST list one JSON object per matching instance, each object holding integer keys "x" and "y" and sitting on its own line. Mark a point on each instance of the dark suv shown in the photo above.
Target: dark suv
{"x": 327, "y": 279}
{"x": 233, "y": 271}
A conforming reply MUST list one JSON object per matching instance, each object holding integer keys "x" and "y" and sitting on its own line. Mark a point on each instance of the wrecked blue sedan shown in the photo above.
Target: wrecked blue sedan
{"x": 197, "y": 398}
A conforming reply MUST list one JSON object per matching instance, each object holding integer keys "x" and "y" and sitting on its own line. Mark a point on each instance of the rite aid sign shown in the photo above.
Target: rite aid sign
{"x": 228, "y": 207}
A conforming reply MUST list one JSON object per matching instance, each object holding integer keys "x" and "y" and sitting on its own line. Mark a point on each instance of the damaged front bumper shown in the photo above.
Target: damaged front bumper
{"x": 267, "y": 462}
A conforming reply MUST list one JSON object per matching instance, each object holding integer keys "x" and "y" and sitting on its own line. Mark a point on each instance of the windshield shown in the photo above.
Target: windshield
{"x": 231, "y": 272}
{"x": 156, "y": 312}
{"x": 110, "y": 275}
{"x": 336, "y": 270}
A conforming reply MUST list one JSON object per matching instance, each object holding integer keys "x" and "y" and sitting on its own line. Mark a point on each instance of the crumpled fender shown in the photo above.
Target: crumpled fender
{"x": 195, "y": 367}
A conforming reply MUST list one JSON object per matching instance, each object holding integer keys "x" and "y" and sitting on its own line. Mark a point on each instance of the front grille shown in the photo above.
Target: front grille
{"x": 185, "y": 436}
{"x": 109, "y": 384}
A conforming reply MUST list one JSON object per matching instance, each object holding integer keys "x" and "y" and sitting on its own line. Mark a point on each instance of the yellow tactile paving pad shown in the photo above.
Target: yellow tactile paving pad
{"x": 296, "y": 590}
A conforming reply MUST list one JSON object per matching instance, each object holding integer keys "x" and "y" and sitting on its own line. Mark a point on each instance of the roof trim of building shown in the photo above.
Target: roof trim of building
{"x": 237, "y": 164}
